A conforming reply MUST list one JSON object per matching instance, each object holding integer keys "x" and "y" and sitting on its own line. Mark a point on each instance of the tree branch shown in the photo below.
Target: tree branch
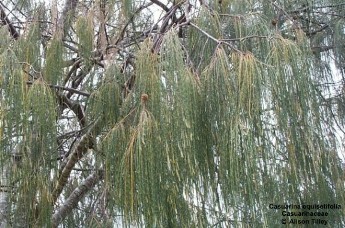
{"x": 76, "y": 107}
{"x": 123, "y": 30}
{"x": 6, "y": 21}
{"x": 213, "y": 38}
{"x": 76, "y": 196}
{"x": 65, "y": 88}
{"x": 80, "y": 150}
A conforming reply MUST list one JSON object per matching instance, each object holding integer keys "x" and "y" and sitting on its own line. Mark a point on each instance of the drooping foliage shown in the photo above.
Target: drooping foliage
{"x": 185, "y": 114}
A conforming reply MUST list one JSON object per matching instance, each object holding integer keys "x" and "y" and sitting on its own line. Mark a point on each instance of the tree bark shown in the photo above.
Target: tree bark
{"x": 76, "y": 196}
{"x": 4, "y": 197}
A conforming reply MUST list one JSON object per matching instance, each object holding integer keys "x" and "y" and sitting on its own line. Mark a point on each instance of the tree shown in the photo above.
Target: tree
{"x": 171, "y": 114}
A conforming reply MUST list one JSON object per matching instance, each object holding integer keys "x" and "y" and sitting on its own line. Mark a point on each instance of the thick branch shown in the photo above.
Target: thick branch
{"x": 79, "y": 151}
{"x": 7, "y": 22}
{"x": 76, "y": 196}
{"x": 170, "y": 15}
{"x": 79, "y": 79}
{"x": 76, "y": 107}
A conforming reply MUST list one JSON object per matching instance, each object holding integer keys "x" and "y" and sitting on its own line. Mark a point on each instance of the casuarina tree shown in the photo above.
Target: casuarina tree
{"x": 183, "y": 113}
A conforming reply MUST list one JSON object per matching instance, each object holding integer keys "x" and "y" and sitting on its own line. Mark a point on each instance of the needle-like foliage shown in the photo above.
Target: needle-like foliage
{"x": 171, "y": 113}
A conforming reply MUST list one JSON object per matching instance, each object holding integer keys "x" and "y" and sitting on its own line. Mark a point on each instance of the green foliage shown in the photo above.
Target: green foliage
{"x": 35, "y": 155}
{"x": 28, "y": 48}
{"x": 198, "y": 120}
{"x": 40, "y": 131}
{"x": 15, "y": 92}
{"x": 84, "y": 30}
{"x": 53, "y": 68}
{"x": 5, "y": 39}
{"x": 197, "y": 43}
{"x": 104, "y": 104}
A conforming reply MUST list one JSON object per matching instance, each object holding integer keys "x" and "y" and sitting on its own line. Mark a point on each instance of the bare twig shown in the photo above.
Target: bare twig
{"x": 65, "y": 88}
{"x": 319, "y": 49}
{"x": 218, "y": 41}
{"x": 122, "y": 33}
{"x": 245, "y": 38}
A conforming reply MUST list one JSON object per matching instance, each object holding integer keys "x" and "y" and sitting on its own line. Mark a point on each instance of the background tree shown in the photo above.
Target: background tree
{"x": 170, "y": 114}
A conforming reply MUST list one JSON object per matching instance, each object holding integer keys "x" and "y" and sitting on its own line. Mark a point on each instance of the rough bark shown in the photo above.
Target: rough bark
{"x": 79, "y": 151}
{"x": 75, "y": 197}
